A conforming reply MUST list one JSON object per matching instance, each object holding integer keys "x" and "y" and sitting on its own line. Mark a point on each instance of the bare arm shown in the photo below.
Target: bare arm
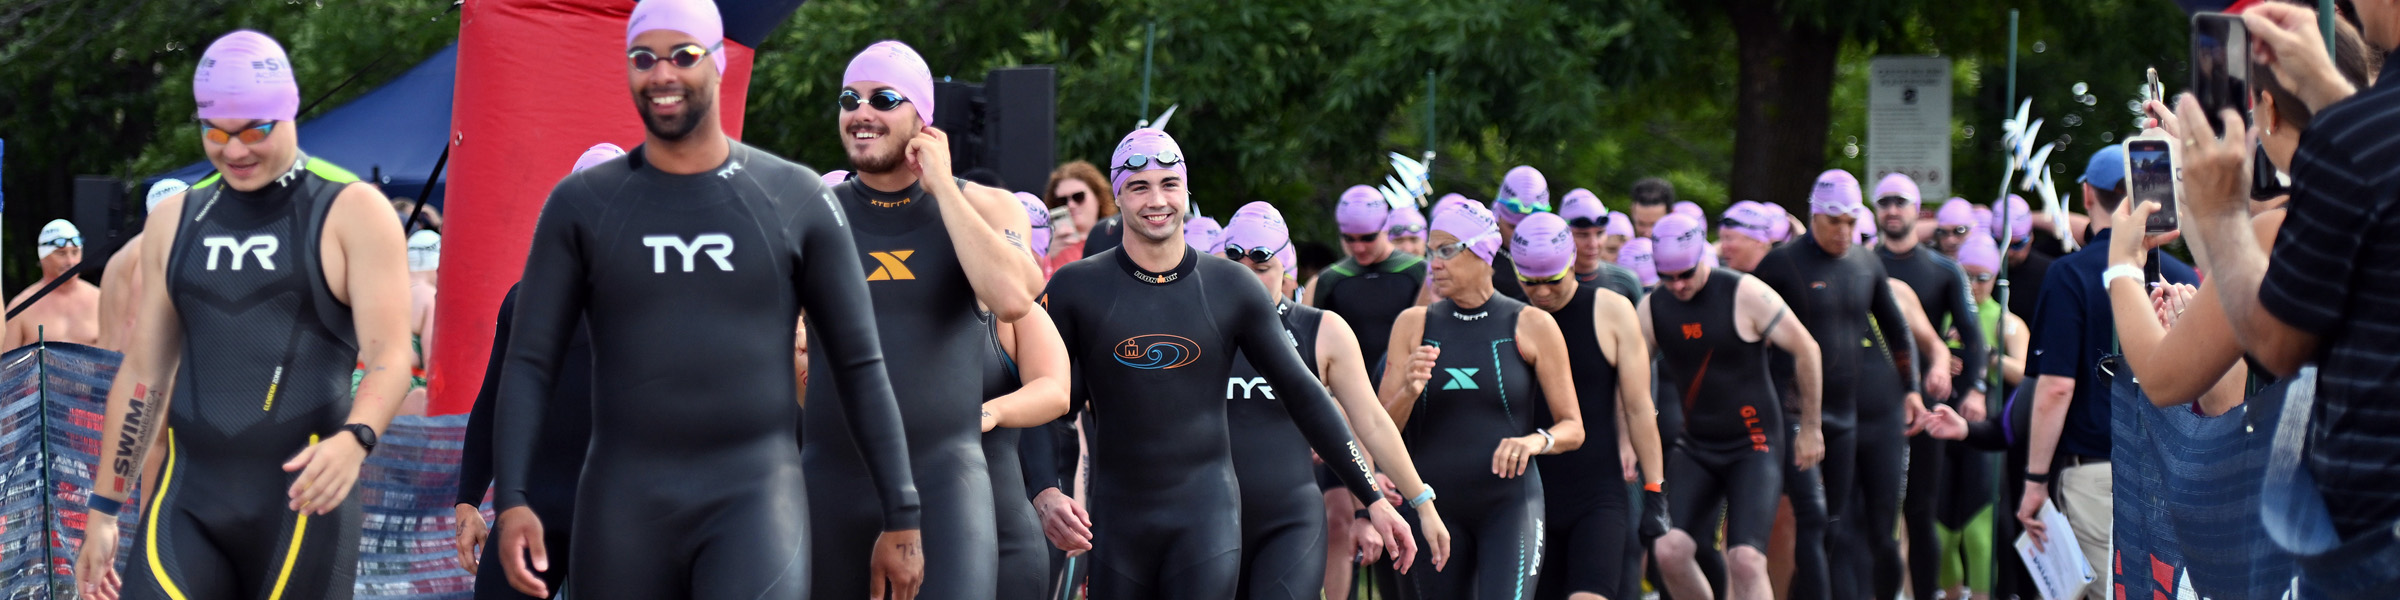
{"x": 2014, "y": 335}
{"x": 2051, "y": 396}
{"x": 1624, "y": 344}
{"x": 1408, "y": 331}
{"x": 1346, "y": 378}
{"x": 137, "y": 398}
{"x": 116, "y": 301}
{"x": 1041, "y": 358}
{"x": 990, "y": 230}
{"x": 376, "y": 255}
{"x": 1548, "y": 355}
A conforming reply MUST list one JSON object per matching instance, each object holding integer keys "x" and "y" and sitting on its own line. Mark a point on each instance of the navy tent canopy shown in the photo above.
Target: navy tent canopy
{"x": 396, "y": 131}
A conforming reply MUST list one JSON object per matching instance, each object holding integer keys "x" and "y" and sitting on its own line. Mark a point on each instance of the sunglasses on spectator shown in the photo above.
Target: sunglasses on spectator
{"x": 684, "y": 56}
{"x": 248, "y": 135}
{"x": 1686, "y": 274}
{"x": 882, "y": 100}
{"x": 1363, "y": 238}
{"x": 1258, "y": 255}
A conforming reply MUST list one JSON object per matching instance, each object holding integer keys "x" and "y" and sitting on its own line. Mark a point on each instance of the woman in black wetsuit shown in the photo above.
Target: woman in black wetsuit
{"x": 1025, "y": 379}
{"x": 1469, "y": 384}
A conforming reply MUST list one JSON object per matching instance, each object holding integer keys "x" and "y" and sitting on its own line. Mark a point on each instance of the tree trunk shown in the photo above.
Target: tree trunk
{"x": 1781, "y": 110}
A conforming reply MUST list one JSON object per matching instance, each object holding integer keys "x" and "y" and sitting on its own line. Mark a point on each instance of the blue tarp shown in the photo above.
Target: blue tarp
{"x": 398, "y": 129}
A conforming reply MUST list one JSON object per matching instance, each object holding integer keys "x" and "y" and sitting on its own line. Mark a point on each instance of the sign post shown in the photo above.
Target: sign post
{"x": 1908, "y": 122}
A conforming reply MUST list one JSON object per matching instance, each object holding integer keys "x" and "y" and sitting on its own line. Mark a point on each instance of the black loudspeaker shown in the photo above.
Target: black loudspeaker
{"x": 1008, "y": 123}
{"x": 99, "y": 214}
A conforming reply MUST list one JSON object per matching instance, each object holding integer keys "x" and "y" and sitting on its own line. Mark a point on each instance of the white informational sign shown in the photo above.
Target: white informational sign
{"x": 1908, "y": 124}
{"x": 2058, "y": 568}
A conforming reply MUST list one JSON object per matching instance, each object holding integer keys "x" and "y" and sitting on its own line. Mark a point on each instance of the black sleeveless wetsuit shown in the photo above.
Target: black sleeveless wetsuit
{"x": 1024, "y": 557}
{"x": 558, "y": 459}
{"x": 1482, "y": 392}
{"x": 925, "y": 311}
{"x": 1732, "y": 438}
{"x": 1369, "y": 297}
{"x": 692, "y": 487}
{"x": 1584, "y": 492}
{"x": 1150, "y": 351}
{"x": 1283, "y": 510}
{"x": 267, "y": 355}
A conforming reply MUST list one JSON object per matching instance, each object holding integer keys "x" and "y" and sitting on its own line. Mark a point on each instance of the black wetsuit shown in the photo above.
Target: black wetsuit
{"x": 1482, "y": 392}
{"x": 1369, "y": 297}
{"x": 925, "y": 312}
{"x": 1150, "y": 351}
{"x": 1024, "y": 556}
{"x": 1883, "y": 458}
{"x": 1584, "y": 550}
{"x": 1504, "y": 277}
{"x": 558, "y": 459}
{"x": 1615, "y": 278}
{"x": 1834, "y": 296}
{"x": 1939, "y": 471}
{"x": 267, "y": 354}
{"x": 692, "y": 487}
{"x": 1283, "y": 511}
{"x": 1732, "y": 431}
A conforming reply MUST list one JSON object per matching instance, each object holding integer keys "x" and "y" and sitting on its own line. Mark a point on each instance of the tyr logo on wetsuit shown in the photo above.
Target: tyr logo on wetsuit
{"x": 1157, "y": 351}
{"x": 262, "y": 245}
{"x": 1249, "y": 386}
{"x": 717, "y": 246}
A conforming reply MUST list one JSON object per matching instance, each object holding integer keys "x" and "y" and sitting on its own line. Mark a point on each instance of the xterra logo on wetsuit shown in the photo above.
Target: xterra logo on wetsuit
{"x": 893, "y": 266}
{"x": 262, "y": 245}
{"x": 717, "y": 246}
{"x": 1157, "y": 351}
{"x": 1461, "y": 379}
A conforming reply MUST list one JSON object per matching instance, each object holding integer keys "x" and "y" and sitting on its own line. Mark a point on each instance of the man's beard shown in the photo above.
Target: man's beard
{"x": 883, "y": 163}
{"x": 1893, "y": 232}
{"x": 676, "y": 128}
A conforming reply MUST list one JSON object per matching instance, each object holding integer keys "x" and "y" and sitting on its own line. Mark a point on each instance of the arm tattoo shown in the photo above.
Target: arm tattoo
{"x": 133, "y": 443}
{"x": 1015, "y": 239}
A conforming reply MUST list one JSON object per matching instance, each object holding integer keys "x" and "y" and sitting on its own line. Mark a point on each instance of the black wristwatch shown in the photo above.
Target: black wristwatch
{"x": 364, "y": 434}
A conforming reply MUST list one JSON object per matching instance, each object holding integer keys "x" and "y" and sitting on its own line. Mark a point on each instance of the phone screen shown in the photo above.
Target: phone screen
{"x": 2220, "y": 65}
{"x": 2150, "y": 177}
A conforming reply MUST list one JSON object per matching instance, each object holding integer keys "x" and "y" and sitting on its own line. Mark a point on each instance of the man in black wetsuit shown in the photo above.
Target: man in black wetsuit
{"x": 1936, "y": 469}
{"x": 1589, "y": 220}
{"x": 1585, "y": 547}
{"x": 1152, "y": 328}
{"x": 692, "y": 487}
{"x": 1732, "y": 438}
{"x": 1833, "y": 286}
{"x": 1376, "y": 282}
{"x": 939, "y": 246}
{"x": 264, "y": 437}
{"x": 566, "y": 433}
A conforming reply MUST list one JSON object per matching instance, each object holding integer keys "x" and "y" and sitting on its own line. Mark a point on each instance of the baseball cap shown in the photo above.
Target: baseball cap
{"x": 59, "y": 233}
{"x": 2107, "y": 168}
{"x": 1543, "y": 247}
{"x": 1362, "y": 210}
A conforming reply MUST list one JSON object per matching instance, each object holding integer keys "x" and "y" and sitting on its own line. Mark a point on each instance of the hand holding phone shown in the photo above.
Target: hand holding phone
{"x": 2151, "y": 176}
{"x": 2221, "y": 66}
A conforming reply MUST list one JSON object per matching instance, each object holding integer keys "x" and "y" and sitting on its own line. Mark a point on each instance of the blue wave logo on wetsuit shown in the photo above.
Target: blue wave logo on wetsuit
{"x": 1157, "y": 351}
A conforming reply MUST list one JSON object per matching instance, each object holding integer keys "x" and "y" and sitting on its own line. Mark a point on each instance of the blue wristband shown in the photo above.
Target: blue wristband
{"x": 1422, "y": 497}
{"x": 105, "y": 505}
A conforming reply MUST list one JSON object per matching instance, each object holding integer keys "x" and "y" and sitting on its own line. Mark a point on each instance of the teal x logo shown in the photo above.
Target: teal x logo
{"x": 1461, "y": 379}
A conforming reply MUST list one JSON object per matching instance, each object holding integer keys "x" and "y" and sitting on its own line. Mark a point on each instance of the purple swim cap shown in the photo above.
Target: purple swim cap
{"x": 1983, "y": 218}
{"x": 1681, "y": 242}
{"x": 1690, "y": 208}
{"x": 1405, "y": 223}
{"x": 1155, "y": 147}
{"x": 1750, "y": 219}
{"x": 1618, "y": 224}
{"x": 1956, "y": 212}
{"x": 1636, "y": 255}
{"x": 2020, "y": 219}
{"x": 1542, "y": 247}
{"x": 836, "y": 177}
{"x": 1780, "y": 228}
{"x": 1258, "y": 226}
{"x": 1448, "y": 199}
{"x": 245, "y": 75}
{"x": 1201, "y": 234}
{"x": 599, "y": 153}
{"x": 1038, "y": 215}
{"x": 1897, "y": 185}
{"x": 895, "y": 64}
{"x": 1470, "y": 223}
{"x": 697, "y": 18}
{"x": 1581, "y": 203}
{"x": 1362, "y": 210}
{"x": 1835, "y": 193}
{"x": 1865, "y": 228}
{"x": 1980, "y": 251}
{"x": 1522, "y": 192}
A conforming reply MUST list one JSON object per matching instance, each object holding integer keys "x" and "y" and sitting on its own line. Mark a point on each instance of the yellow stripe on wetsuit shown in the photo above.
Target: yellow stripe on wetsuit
{"x": 299, "y": 528}
{"x": 158, "y": 570}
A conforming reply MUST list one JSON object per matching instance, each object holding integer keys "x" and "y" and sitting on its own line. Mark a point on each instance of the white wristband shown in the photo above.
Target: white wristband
{"x": 2113, "y": 273}
{"x": 1548, "y": 441}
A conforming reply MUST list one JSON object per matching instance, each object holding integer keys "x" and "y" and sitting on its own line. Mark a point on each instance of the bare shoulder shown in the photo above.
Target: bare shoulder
{"x": 360, "y": 203}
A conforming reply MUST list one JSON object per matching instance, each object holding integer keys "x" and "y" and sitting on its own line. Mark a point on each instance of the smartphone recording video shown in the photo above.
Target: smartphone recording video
{"x": 2150, "y": 177}
{"x": 2221, "y": 66}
